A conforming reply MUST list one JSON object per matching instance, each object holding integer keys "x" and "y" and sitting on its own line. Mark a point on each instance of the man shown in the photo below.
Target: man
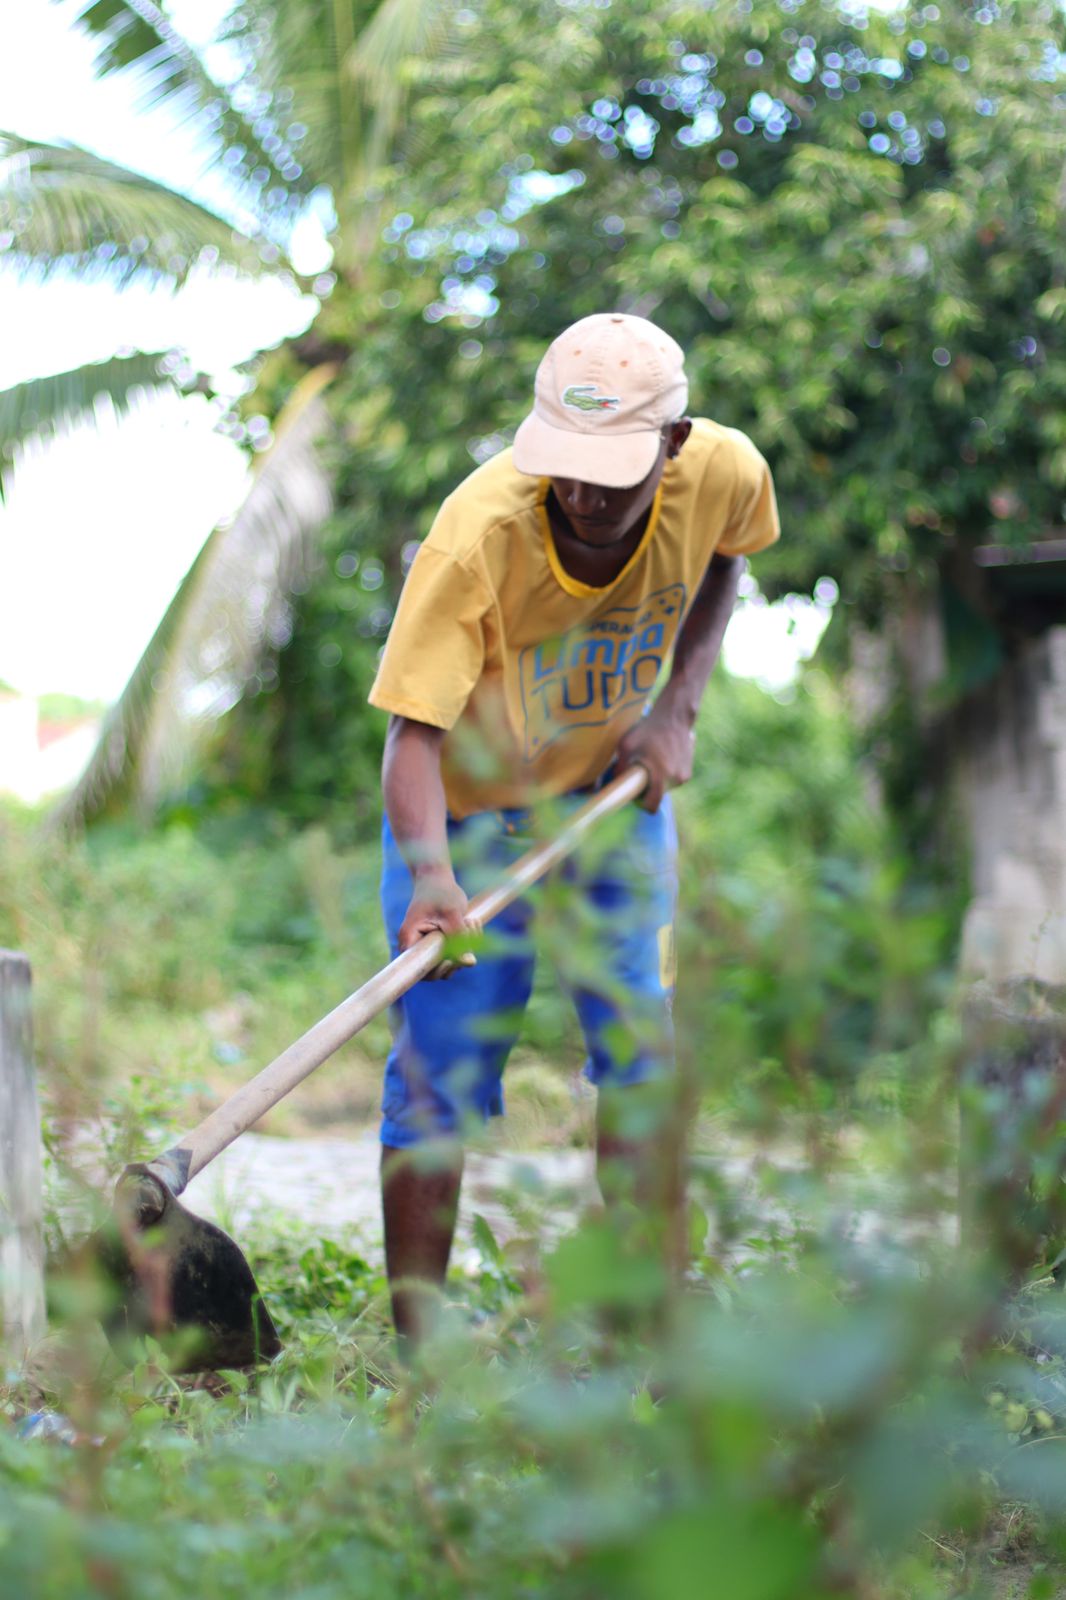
{"x": 530, "y": 633}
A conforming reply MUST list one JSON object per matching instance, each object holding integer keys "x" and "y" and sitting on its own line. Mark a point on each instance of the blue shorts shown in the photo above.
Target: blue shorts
{"x": 451, "y": 1039}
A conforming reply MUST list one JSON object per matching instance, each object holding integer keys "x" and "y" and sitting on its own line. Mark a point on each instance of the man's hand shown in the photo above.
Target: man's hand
{"x": 663, "y": 742}
{"x": 418, "y": 816}
{"x": 437, "y": 903}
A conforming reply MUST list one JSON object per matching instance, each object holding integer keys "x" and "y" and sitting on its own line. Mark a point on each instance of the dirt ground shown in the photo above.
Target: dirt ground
{"x": 332, "y": 1184}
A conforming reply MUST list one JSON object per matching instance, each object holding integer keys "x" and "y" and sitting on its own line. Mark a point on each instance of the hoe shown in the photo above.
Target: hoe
{"x": 181, "y": 1279}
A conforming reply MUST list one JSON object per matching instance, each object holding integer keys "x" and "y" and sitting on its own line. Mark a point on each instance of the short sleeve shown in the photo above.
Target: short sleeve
{"x": 435, "y": 649}
{"x": 753, "y": 522}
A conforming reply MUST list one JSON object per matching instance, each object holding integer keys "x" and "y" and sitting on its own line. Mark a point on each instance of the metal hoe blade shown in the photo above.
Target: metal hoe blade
{"x": 181, "y": 1280}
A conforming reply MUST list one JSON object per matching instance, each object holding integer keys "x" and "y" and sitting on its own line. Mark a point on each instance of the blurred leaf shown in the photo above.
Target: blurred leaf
{"x": 137, "y": 36}
{"x": 61, "y": 206}
{"x": 746, "y": 1552}
{"x": 594, "y": 1267}
{"x": 48, "y": 405}
{"x": 230, "y": 612}
{"x": 486, "y": 1241}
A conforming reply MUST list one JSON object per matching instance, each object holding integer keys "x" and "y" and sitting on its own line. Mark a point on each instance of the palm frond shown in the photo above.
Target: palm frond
{"x": 61, "y": 205}
{"x": 345, "y": 65}
{"x": 399, "y": 31}
{"x": 231, "y": 611}
{"x": 295, "y": 54}
{"x": 47, "y": 405}
{"x": 137, "y": 36}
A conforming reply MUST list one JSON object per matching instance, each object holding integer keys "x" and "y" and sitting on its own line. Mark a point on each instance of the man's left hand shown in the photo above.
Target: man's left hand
{"x": 664, "y": 743}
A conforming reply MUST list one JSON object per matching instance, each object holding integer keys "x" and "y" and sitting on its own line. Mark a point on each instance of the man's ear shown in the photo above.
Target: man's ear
{"x": 675, "y": 439}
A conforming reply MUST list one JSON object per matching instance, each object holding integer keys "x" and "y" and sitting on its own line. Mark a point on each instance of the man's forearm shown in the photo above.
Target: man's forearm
{"x": 413, "y": 793}
{"x": 699, "y": 643}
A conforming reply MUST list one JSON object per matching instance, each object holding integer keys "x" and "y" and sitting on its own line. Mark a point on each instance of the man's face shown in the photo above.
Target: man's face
{"x": 600, "y": 516}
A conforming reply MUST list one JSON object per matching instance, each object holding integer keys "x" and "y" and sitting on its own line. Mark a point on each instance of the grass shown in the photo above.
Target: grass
{"x": 798, "y": 1424}
{"x": 802, "y": 1421}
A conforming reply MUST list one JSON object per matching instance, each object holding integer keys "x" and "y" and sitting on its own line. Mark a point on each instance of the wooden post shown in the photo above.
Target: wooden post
{"x": 22, "y": 1317}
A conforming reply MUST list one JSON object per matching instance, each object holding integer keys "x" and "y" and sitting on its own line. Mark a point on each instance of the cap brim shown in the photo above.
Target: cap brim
{"x": 615, "y": 461}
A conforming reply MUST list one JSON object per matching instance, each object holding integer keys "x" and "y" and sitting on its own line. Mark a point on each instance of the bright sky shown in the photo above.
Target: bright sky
{"x": 99, "y": 526}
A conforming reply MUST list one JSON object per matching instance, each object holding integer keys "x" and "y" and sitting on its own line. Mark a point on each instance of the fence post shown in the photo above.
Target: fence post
{"x": 1012, "y": 1153}
{"x": 22, "y": 1316}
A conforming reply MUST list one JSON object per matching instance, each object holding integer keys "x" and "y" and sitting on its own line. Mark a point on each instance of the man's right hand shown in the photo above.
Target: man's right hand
{"x": 437, "y": 903}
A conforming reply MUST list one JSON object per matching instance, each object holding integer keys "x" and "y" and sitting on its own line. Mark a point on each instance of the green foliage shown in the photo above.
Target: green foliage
{"x": 137, "y": 36}
{"x": 806, "y": 1429}
{"x": 45, "y": 406}
{"x": 63, "y": 207}
{"x": 211, "y": 636}
{"x": 834, "y": 1404}
{"x": 67, "y": 707}
{"x": 811, "y": 952}
{"x": 167, "y": 967}
{"x": 344, "y": 71}
{"x": 822, "y": 951}
{"x": 850, "y": 221}
{"x": 324, "y": 1287}
{"x": 797, "y": 1421}
{"x": 303, "y": 740}
{"x": 818, "y": 281}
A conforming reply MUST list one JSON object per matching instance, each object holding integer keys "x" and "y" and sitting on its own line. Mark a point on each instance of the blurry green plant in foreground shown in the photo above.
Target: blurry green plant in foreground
{"x": 802, "y": 1422}
{"x": 835, "y": 1403}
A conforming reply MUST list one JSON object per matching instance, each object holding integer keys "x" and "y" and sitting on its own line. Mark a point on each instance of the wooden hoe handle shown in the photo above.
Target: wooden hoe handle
{"x": 254, "y": 1099}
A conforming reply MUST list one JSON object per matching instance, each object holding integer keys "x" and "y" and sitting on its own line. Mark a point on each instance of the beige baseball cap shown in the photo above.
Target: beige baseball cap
{"x": 603, "y": 393}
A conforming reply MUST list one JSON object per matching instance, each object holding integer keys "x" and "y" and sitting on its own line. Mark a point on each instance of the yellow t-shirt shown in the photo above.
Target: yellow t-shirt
{"x": 536, "y": 675}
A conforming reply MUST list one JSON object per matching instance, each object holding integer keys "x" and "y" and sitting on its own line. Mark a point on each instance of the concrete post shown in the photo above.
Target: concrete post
{"x": 22, "y": 1316}
{"x": 1013, "y": 1098}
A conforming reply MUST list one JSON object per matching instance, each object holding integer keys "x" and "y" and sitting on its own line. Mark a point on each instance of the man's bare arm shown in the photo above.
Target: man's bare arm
{"x": 413, "y": 792}
{"x": 664, "y": 740}
{"x": 699, "y": 643}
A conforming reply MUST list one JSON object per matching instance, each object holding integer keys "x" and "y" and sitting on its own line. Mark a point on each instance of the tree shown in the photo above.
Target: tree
{"x": 852, "y": 221}
{"x": 62, "y": 207}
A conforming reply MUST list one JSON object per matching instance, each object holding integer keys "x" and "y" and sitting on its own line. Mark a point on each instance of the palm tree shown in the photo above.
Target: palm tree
{"x": 317, "y": 98}
{"x": 62, "y": 207}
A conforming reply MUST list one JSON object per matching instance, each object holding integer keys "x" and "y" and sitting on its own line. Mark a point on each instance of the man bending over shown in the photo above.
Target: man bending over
{"x": 531, "y": 631}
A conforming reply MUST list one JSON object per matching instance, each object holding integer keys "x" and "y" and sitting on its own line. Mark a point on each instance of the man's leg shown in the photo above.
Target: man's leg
{"x": 451, "y": 1039}
{"x": 624, "y": 1004}
{"x": 420, "y": 1200}
{"x": 640, "y": 1163}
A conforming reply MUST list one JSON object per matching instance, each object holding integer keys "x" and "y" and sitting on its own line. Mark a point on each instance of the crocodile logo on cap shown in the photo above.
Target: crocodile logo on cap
{"x": 583, "y": 397}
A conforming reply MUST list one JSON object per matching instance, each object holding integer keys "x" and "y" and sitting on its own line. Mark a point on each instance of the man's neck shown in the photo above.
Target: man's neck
{"x": 596, "y": 565}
